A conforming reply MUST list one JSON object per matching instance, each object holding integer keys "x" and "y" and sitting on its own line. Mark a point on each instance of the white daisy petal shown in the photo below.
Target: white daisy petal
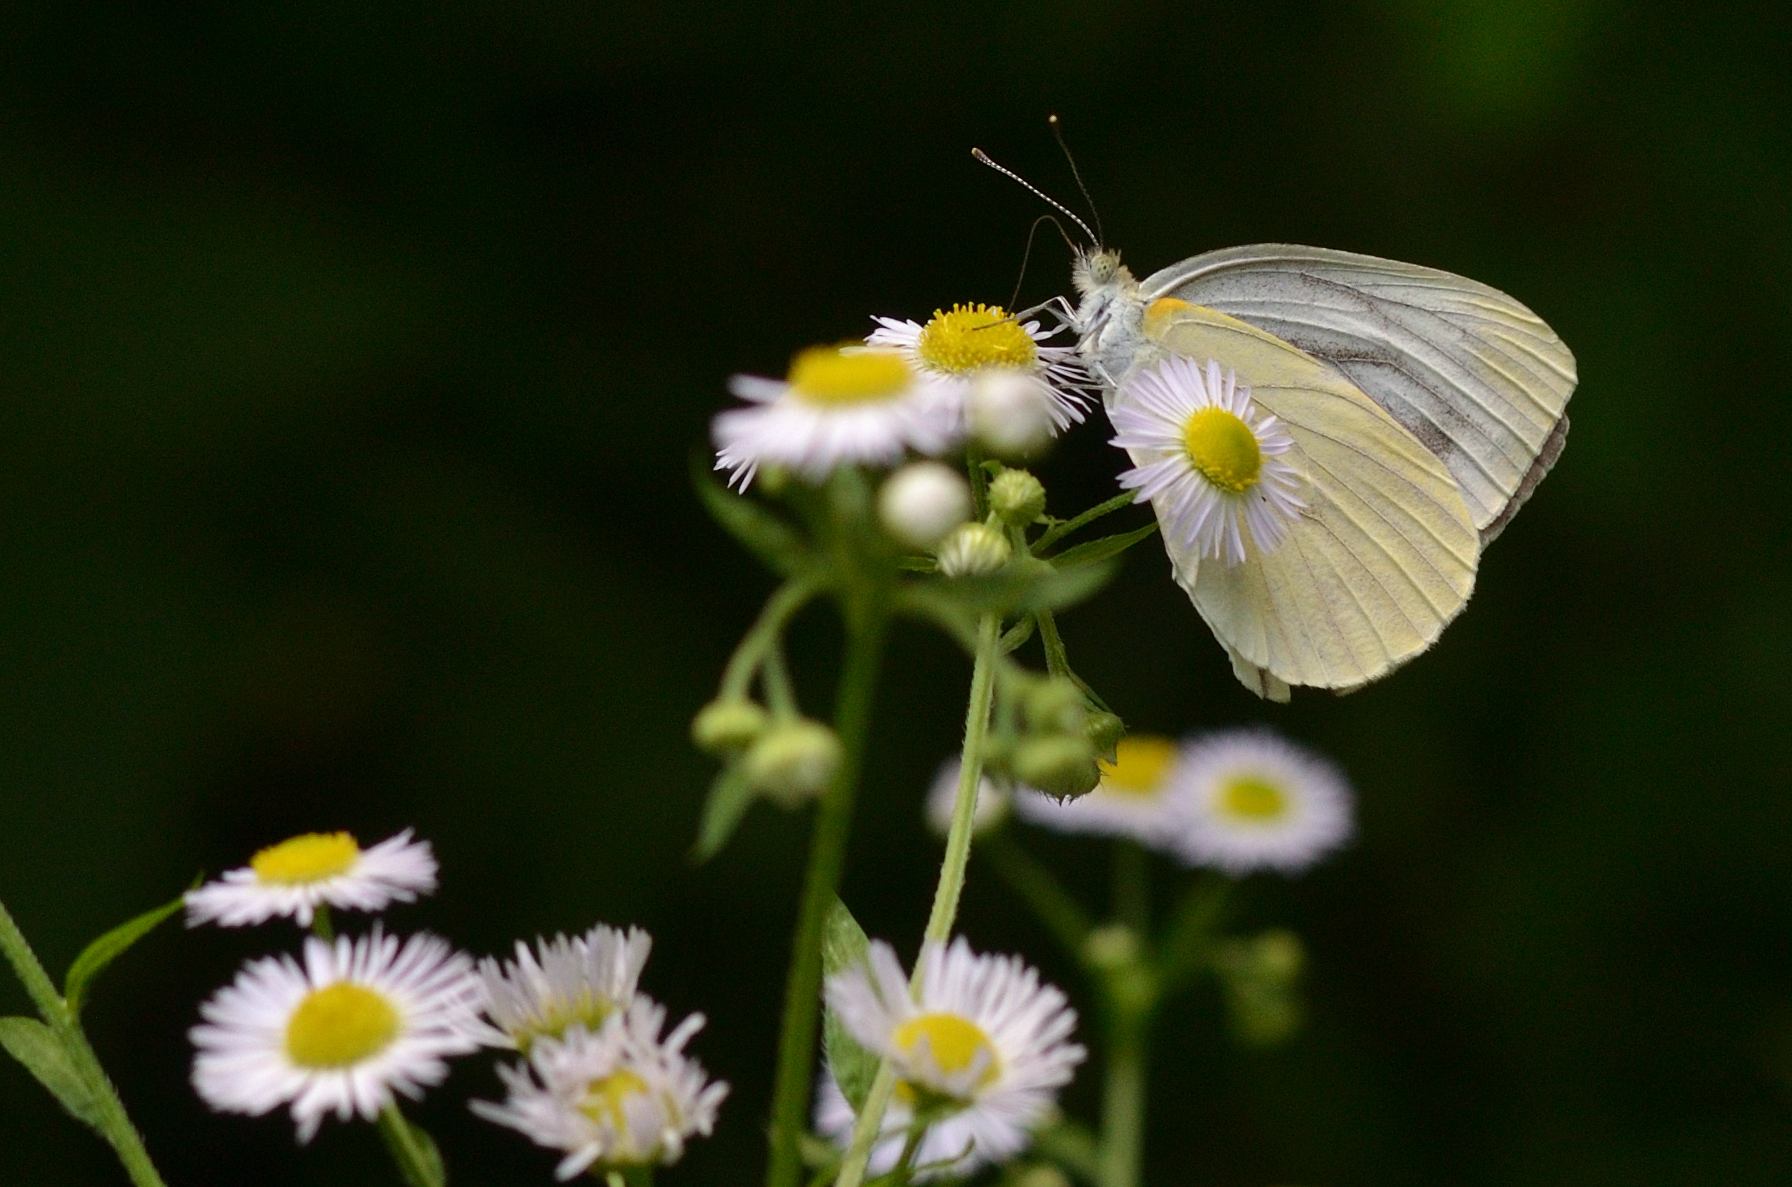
{"x": 302, "y": 873}
{"x": 1134, "y": 798}
{"x": 563, "y": 982}
{"x": 617, "y": 1096}
{"x": 1214, "y": 467}
{"x": 1252, "y": 801}
{"x": 358, "y": 1021}
{"x": 981, "y": 1047}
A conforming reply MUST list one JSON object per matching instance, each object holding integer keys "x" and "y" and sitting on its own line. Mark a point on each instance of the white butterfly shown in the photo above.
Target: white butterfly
{"x": 1424, "y": 409}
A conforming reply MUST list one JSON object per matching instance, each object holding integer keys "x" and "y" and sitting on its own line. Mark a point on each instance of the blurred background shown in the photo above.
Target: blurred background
{"x": 352, "y": 361}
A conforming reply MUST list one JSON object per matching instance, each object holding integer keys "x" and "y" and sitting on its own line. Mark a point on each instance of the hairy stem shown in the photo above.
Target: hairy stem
{"x": 865, "y": 625}
{"x": 415, "y": 1166}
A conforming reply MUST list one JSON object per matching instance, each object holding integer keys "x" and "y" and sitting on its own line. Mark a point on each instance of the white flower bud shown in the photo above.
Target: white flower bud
{"x": 1009, "y": 413}
{"x": 972, "y": 550}
{"x": 793, "y": 761}
{"x": 1018, "y": 497}
{"x": 922, "y": 502}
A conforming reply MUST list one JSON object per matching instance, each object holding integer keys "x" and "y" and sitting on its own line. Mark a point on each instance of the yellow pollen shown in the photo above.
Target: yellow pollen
{"x": 606, "y": 1100}
{"x": 1140, "y": 763}
{"x": 340, "y": 1025}
{"x": 588, "y": 1010}
{"x": 1252, "y": 798}
{"x": 834, "y": 376}
{"x": 308, "y": 858}
{"x": 1224, "y": 449}
{"x": 972, "y": 337}
{"x": 954, "y": 1043}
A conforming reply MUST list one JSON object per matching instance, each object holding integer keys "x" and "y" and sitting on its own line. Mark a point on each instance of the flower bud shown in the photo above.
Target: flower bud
{"x": 793, "y": 761}
{"x": 1060, "y": 765}
{"x": 1261, "y": 976}
{"x": 1055, "y": 706}
{"x": 1018, "y": 497}
{"x": 1111, "y": 947}
{"x": 1009, "y": 414}
{"x": 727, "y": 725}
{"x": 972, "y": 550}
{"x": 1104, "y": 731}
{"x": 921, "y": 503}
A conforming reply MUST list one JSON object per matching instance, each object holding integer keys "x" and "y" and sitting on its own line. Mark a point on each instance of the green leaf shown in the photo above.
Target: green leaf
{"x": 1025, "y": 587}
{"x": 96, "y": 956}
{"x": 755, "y": 528}
{"x": 729, "y": 798}
{"x": 427, "y": 1169}
{"x": 1106, "y": 548}
{"x": 843, "y": 947}
{"x": 37, "y": 1047}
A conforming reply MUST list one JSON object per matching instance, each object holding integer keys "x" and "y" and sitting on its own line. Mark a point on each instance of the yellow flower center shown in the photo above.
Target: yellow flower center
{"x": 1140, "y": 763}
{"x": 556, "y": 1014}
{"x": 1224, "y": 449}
{"x": 953, "y": 1042}
{"x": 972, "y": 337}
{"x": 308, "y": 858}
{"x": 834, "y": 377}
{"x": 340, "y": 1025}
{"x": 1251, "y": 798}
{"x": 606, "y": 1101}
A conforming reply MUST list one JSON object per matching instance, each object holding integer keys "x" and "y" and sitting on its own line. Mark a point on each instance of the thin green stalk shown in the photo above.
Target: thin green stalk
{"x": 763, "y": 635}
{"x": 415, "y": 1166}
{"x": 1132, "y": 888}
{"x": 110, "y": 1117}
{"x": 1057, "y": 532}
{"x": 865, "y": 626}
{"x": 1032, "y": 881}
{"x": 1123, "y": 1097}
{"x": 951, "y": 882}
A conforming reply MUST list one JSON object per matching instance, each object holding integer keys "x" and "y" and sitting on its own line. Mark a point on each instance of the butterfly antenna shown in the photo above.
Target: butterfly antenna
{"x": 984, "y": 159}
{"x": 1057, "y": 126}
{"x": 1027, "y": 253}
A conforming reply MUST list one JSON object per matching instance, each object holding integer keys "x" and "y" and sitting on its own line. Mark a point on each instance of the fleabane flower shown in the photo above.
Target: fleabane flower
{"x": 617, "y": 1097}
{"x": 1214, "y": 467}
{"x": 980, "y": 1049}
{"x": 358, "y": 1021}
{"x": 944, "y": 1151}
{"x": 562, "y": 982}
{"x": 1136, "y": 797}
{"x": 968, "y": 345}
{"x": 1253, "y": 801}
{"x": 839, "y": 405}
{"x": 305, "y": 872}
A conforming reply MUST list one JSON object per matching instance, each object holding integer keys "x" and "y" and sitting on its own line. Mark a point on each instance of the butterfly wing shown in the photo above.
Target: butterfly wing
{"x": 1478, "y": 378}
{"x": 1382, "y": 559}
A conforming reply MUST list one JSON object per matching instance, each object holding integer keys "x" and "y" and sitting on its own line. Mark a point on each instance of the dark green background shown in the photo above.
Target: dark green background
{"x": 350, "y": 362}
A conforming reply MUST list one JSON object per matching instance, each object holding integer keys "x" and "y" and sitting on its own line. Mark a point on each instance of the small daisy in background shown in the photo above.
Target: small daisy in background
{"x": 359, "y": 1021}
{"x": 562, "y": 983}
{"x": 992, "y": 801}
{"x": 1252, "y": 801}
{"x": 980, "y": 1048}
{"x": 1215, "y": 468}
{"x": 314, "y": 870}
{"x": 968, "y": 346}
{"x": 839, "y": 405}
{"x": 615, "y": 1098}
{"x": 1135, "y": 798}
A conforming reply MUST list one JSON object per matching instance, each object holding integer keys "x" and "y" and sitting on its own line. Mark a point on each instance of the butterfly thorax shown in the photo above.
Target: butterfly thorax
{"x": 1110, "y": 314}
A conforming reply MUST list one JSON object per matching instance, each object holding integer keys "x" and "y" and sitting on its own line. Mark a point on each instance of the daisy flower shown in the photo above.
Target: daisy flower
{"x": 971, "y": 343}
{"x": 1255, "y": 802}
{"x": 619, "y": 1096}
{"x": 1214, "y": 467}
{"x": 302, "y": 873}
{"x": 980, "y": 1048}
{"x": 992, "y": 801}
{"x": 839, "y": 405}
{"x": 563, "y": 982}
{"x": 358, "y": 1021}
{"x": 1135, "y": 797}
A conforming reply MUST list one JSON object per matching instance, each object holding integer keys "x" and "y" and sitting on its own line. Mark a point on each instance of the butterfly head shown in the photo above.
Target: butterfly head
{"x": 1098, "y": 269}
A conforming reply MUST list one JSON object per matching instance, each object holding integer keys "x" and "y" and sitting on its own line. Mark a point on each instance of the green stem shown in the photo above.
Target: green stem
{"x": 951, "y": 882}
{"x": 865, "y": 625}
{"x": 1057, "y": 532}
{"x": 415, "y": 1166}
{"x": 1132, "y": 888}
{"x": 1123, "y": 1097}
{"x": 1032, "y": 881}
{"x": 1188, "y": 939}
{"x": 110, "y": 1118}
{"x": 763, "y": 635}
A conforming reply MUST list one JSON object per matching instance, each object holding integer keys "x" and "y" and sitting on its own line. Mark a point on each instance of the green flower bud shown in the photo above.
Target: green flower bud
{"x": 1060, "y": 765}
{"x": 1261, "y": 977}
{"x": 728, "y": 725}
{"x": 1104, "y": 731}
{"x": 793, "y": 761}
{"x": 1055, "y": 705}
{"x": 1111, "y": 947}
{"x": 972, "y": 550}
{"x": 1018, "y": 497}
